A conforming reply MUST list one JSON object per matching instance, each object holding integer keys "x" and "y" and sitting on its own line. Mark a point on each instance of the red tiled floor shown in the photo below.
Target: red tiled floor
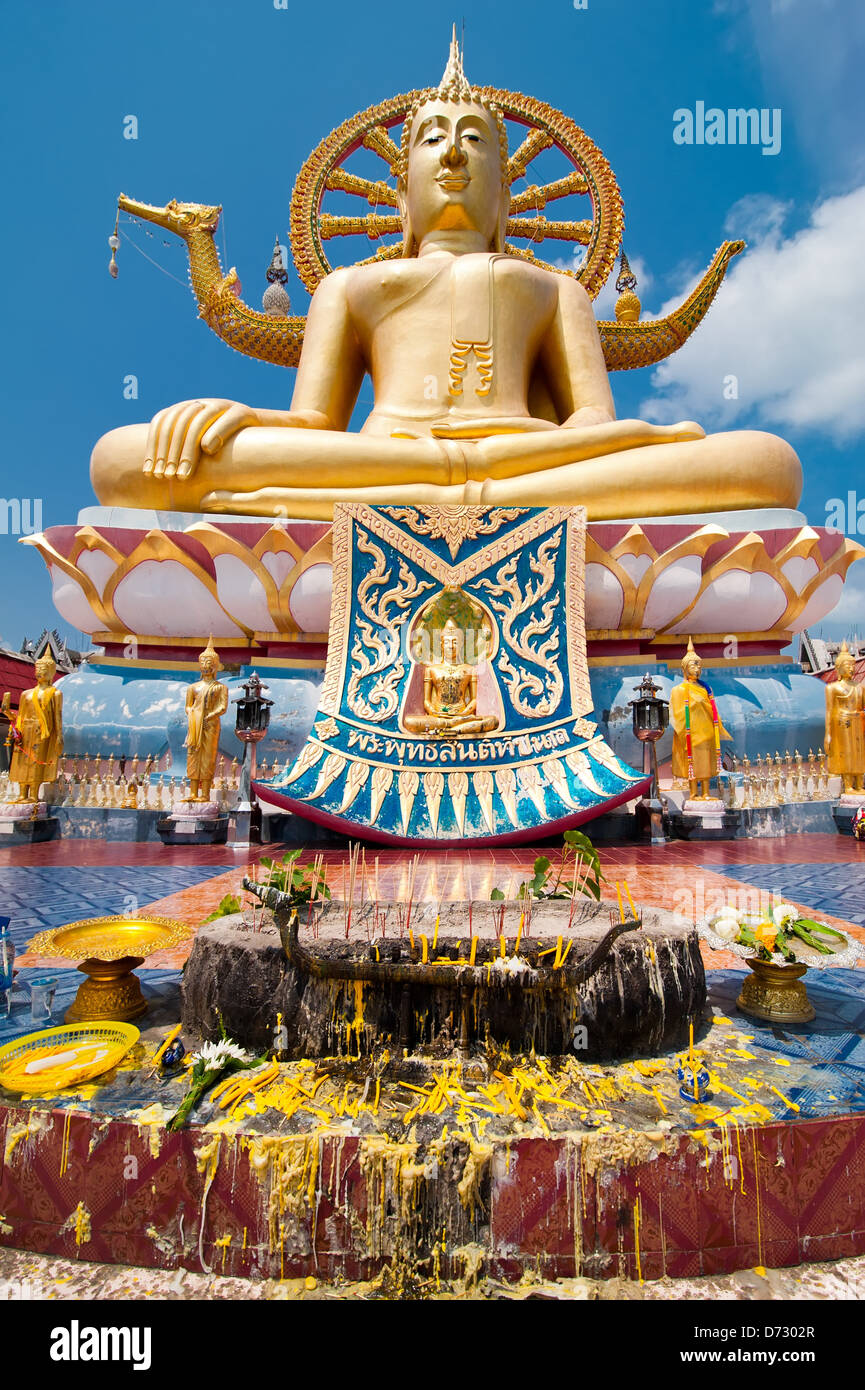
{"x": 794, "y": 849}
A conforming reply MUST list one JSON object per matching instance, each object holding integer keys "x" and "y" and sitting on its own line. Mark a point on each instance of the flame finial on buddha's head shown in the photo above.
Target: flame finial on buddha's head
{"x": 454, "y": 85}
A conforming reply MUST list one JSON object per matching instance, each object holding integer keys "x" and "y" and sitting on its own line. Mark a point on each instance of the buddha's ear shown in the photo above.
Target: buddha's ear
{"x": 502, "y": 224}
{"x": 408, "y": 242}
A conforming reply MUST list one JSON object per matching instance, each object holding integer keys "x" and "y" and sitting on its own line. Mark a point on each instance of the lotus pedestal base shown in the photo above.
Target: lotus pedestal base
{"x": 776, "y": 993}
{"x": 111, "y": 990}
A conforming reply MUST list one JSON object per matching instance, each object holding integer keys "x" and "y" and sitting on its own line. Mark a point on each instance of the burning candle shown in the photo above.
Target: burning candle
{"x": 564, "y": 955}
{"x": 621, "y": 907}
{"x": 424, "y": 948}
{"x": 473, "y": 951}
{"x": 519, "y": 932}
{"x": 631, "y": 901}
{"x": 436, "y": 931}
{"x": 502, "y": 945}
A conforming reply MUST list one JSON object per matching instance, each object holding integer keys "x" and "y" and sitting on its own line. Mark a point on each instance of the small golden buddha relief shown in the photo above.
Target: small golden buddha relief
{"x": 452, "y": 691}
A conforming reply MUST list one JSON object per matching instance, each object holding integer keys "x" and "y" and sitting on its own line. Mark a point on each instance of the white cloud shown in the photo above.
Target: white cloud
{"x": 787, "y": 323}
{"x": 848, "y": 615}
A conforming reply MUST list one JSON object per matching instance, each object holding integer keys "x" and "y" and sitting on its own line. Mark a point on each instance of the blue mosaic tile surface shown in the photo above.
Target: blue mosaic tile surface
{"x": 38, "y": 898}
{"x": 838, "y": 889}
{"x": 826, "y": 1075}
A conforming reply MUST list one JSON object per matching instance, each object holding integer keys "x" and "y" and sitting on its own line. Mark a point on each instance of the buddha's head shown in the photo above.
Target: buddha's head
{"x": 692, "y": 664}
{"x": 453, "y": 163}
{"x": 452, "y": 643}
{"x": 845, "y": 663}
{"x": 46, "y": 669}
{"x": 208, "y": 662}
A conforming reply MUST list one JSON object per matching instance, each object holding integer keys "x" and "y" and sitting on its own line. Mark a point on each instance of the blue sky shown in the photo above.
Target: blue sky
{"x": 231, "y": 96}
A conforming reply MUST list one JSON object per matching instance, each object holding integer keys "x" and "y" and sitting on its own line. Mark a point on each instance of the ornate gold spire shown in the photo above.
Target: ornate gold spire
{"x": 628, "y": 305}
{"x": 454, "y": 85}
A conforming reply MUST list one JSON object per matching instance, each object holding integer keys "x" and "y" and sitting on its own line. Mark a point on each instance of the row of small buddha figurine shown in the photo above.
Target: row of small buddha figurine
{"x": 776, "y": 780}
{"x": 131, "y": 783}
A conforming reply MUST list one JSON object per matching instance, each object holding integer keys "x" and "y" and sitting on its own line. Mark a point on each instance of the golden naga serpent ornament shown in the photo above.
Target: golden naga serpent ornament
{"x": 279, "y": 340}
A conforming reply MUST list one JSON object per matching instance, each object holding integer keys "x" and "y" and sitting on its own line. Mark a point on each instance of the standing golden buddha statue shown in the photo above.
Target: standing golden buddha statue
{"x": 206, "y": 703}
{"x": 36, "y": 735}
{"x": 697, "y": 728}
{"x": 845, "y": 726}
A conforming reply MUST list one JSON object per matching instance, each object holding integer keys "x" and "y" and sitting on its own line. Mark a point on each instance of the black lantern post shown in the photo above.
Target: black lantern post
{"x": 651, "y": 716}
{"x": 251, "y": 721}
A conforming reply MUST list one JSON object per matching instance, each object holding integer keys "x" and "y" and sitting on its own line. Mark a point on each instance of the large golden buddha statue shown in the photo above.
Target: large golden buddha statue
{"x": 490, "y": 384}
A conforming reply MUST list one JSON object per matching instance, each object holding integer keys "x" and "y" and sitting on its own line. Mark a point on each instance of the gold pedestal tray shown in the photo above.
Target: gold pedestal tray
{"x": 109, "y": 950}
{"x": 776, "y": 993}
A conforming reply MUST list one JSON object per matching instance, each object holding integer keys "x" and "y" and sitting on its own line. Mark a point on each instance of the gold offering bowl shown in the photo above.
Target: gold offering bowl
{"x": 109, "y": 950}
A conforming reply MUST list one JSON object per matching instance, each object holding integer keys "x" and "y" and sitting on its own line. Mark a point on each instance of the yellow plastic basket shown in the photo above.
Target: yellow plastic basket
{"x": 89, "y": 1040}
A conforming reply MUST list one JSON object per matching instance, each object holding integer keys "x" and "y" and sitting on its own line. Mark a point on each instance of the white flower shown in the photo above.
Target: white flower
{"x": 784, "y": 913}
{"x": 216, "y": 1055}
{"x": 511, "y": 965}
{"x": 726, "y": 923}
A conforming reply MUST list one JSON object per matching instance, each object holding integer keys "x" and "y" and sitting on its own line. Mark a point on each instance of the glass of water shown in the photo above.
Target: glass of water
{"x": 7, "y": 963}
{"x": 42, "y": 991}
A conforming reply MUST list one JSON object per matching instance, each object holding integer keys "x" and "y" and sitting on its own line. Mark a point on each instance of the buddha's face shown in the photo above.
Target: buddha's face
{"x": 45, "y": 672}
{"x": 451, "y": 644}
{"x": 455, "y": 178}
{"x": 844, "y": 668}
{"x": 692, "y": 666}
{"x": 207, "y": 666}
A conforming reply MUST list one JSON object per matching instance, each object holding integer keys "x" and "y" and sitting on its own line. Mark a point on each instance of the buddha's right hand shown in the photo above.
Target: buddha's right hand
{"x": 181, "y": 433}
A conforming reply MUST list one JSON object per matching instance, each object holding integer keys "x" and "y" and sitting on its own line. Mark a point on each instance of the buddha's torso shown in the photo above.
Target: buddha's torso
{"x": 199, "y": 690}
{"x": 40, "y": 698}
{"x": 408, "y": 316}
{"x": 450, "y": 688}
{"x": 847, "y": 698}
